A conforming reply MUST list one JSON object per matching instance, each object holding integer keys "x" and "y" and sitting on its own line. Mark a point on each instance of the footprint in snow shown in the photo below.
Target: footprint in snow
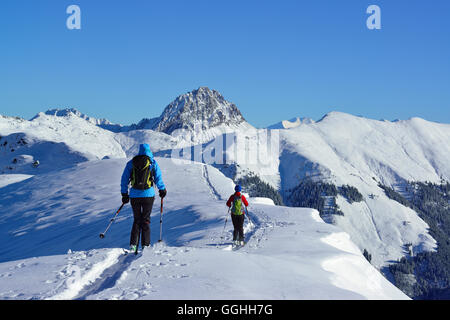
{"x": 181, "y": 264}
{"x": 131, "y": 296}
{"x": 179, "y": 276}
{"x": 5, "y": 275}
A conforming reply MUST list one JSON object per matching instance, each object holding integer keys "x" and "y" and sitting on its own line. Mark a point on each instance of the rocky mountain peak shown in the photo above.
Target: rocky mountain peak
{"x": 202, "y": 108}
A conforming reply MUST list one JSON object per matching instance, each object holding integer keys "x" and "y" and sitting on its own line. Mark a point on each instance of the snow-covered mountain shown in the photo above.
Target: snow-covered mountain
{"x": 347, "y": 150}
{"x": 292, "y": 123}
{"x": 203, "y": 108}
{"x": 342, "y": 149}
{"x": 57, "y": 155}
{"x": 72, "y": 111}
{"x": 343, "y": 144}
{"x": 53, "y": 142}
{"x": 195, "y": 117}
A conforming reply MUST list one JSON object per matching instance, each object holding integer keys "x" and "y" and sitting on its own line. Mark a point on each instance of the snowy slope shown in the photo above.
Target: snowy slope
{"x": 55, "y": 141}
{"x": 130, "y": 140}
{"x": 67, "y": 200}
{"x": 6, "y": 179}
{"x": 347, "y": 150}
{"x": 413, "y": 149}
{"x": 21, "y": 152}
{"x": 291, "y": 253}
{"x": 344, "y": 149}
{"x": 340, "y": 148}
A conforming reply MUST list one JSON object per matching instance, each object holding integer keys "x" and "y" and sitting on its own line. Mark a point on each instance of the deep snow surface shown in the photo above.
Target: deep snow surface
{"x": 50, "y": 248}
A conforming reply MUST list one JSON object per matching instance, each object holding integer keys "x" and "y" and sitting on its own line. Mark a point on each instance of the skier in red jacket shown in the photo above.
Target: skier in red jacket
{"x": 236, "y": 202}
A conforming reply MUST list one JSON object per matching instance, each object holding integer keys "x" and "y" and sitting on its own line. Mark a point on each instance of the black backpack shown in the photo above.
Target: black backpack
{"x": 142, "y": 173}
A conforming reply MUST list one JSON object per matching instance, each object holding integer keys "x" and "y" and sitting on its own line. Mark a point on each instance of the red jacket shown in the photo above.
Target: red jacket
{"x": 231, "y": 199}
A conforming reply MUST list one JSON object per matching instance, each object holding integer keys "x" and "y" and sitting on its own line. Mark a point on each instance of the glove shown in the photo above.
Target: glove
{"x": 162, "y": 193}
{"x": 125, "y": 198}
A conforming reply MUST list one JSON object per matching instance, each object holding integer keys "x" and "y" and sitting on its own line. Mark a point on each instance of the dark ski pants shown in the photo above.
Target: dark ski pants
{"x": 238, "y": 224}
{"x": 142, "y": 208}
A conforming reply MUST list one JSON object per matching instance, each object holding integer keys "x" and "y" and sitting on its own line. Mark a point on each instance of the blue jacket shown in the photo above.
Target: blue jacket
{"x": 126, "y": 176}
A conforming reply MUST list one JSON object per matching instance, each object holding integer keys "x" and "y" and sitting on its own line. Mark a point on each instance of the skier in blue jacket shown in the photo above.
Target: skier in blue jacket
{"x": 142, "y": 172}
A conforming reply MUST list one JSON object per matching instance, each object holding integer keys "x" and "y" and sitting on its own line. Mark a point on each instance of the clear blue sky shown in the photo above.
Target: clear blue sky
{"x": 274, "y": 59}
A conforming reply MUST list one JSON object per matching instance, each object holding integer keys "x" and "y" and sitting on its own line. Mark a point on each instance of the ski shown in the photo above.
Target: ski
{"x": 236, "y": 247}
{"x": 135, "y": 252}
{"x": 128, "y": 251}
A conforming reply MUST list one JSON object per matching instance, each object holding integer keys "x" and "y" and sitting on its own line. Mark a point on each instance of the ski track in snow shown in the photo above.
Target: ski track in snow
{"x": 158, "y": 262}
{"x": 214, "y": 192}
{"x": 103, "y": 279}
{"x": 76, "y": 282}
{"x": 117, "y": 276}
{"x": 161, "y": 271}
{"x": 108, "y": 277}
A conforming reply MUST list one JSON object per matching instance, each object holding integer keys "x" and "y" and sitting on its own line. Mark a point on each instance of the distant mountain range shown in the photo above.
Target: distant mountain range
{"x": 201, "y": 109}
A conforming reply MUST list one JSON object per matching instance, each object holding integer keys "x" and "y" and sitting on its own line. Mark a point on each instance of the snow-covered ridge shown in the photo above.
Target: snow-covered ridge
{"x": 54, "y": 141}
{"x": 290, "y": 252}
{"x": 413, "y": 149}
{"x": 202, "y": 114}
{"x": 348, "y": 150}
{"x": 68, "y": 112}
{"x": 292, "y": 123}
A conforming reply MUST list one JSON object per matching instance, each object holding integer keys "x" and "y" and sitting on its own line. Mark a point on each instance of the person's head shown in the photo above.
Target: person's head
{"x": 144, "y": 149}
{"x": 238, "y": 188}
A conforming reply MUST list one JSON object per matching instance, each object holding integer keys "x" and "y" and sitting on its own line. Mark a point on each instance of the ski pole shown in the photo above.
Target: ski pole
{"x": 226, "y": 219}
{"x": 161, "y": 221}
{"x": 248, "y": 217}
{"x": 102, "y": 235}
{"x": 139, "y": 239}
